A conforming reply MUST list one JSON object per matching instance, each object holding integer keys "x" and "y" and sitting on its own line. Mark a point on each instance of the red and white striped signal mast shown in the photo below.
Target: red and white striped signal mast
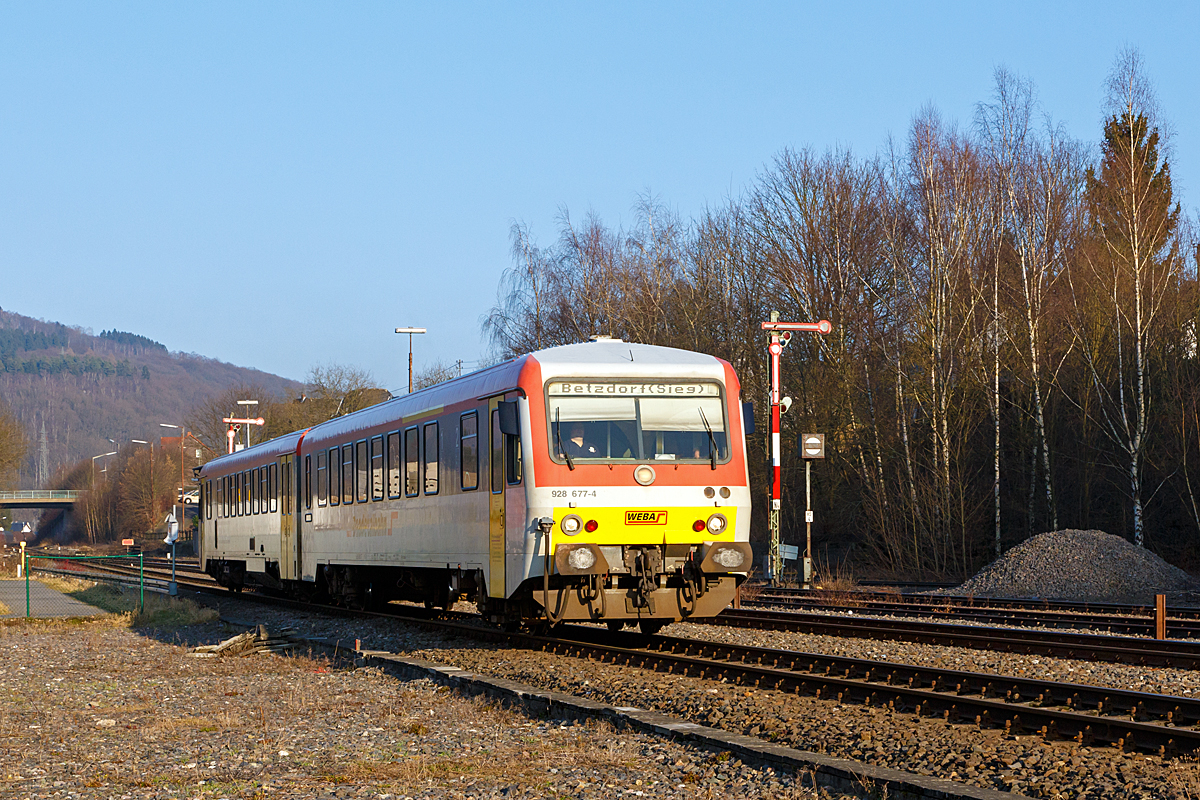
{"x": 781, "y": 334}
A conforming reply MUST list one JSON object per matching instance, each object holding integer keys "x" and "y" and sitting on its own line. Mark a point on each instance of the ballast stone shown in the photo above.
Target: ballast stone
{"x": 1078, "y": 565}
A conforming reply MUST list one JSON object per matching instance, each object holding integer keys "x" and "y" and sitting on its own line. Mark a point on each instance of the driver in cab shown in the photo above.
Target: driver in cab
{"x": 577, "y": 446}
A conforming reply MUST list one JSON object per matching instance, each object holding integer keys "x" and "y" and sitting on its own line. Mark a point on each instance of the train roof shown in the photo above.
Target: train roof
{"x": 601, "y": 358}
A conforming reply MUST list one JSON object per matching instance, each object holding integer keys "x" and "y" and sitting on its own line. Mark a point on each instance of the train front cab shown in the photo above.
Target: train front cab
{"x": 637, "y": 496}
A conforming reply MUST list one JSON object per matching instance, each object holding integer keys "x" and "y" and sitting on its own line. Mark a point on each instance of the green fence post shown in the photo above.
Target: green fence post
{"x": 142, "y": 580}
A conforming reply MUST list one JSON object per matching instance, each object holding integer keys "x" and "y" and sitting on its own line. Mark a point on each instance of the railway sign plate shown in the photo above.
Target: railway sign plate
{"x": 812, "y": 445}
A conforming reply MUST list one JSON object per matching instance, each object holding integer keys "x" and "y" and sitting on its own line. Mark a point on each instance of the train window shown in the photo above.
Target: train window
{"x": 256, "y": 493}
{"x": 308, "y": 482}
{"x": 362, "y": 463}
{"x": 236, "y": 484}
{"x": 322, "y": 480}
{"x": 224, "y": 490}
{"x": 497, "y": 455}
{"x": 393, "y": 464}
{"x": 609, "y": 422}
{"x": 347, "y": 473}
{"x": 431, "y": 458}
{"x": 512, "y": 459}
{"x": 335, "y": 475}
{"x": 248, "y": 496}
{"x": 273, "y": 486}
{"x": 377, "y": 468}
{"x": 468, "y": 427}
{"x": 220, "y": 497}
{"x": 412, "y": 467}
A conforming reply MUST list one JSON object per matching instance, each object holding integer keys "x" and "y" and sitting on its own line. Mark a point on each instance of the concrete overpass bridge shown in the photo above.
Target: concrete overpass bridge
{"x": 40, "y": 498}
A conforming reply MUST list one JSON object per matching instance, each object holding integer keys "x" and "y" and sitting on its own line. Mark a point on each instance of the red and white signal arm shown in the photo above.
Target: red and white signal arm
{"x": 812, "y": 445}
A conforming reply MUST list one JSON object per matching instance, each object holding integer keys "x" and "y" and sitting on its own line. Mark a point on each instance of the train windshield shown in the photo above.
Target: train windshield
{"x": 637, "y": 421}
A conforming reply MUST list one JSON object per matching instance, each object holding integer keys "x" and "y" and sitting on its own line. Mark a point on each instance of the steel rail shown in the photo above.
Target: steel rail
{"x": 971, "y": 601}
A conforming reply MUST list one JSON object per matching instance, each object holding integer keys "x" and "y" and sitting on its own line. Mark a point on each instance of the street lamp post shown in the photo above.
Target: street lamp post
{"x": 173, "y": 588}
{"x": 102, "y": 455}
{"x": 410, "y": 332}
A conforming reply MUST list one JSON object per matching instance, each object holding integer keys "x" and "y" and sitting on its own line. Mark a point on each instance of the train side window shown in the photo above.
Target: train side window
{"x": 220, "y": 497}
{"x": 497, "y": 455}
{"x": 393, "y": 464}
{"x": 377, "y": 468}
{"x": 512, "y": 459}
{"x": 335, "y": 475}
{"x": 347, "y": 473}
{"x": 248, "y": 493}
{"x": 412, "y": 466}
{"x": 226, "y": 494}
{"x": 308, "y": 483}
{"x": 257, "y": 501}
{"x": 273, "y": 486}
{"x": 236, "y": 484}
{"x": 468, "y": 434}
{"x": 362, "y": 463}
{"x": 431, "y": 458}
{"x": 322, "y": 479}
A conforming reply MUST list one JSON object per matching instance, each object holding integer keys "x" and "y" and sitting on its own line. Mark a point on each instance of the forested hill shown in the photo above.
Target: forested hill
{"x": 85, "y": 389}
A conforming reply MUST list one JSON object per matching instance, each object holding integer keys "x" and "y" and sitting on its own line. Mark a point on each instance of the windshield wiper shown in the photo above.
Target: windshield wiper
{"x": 558, "y": 436}
{"x": 712, "y": 440}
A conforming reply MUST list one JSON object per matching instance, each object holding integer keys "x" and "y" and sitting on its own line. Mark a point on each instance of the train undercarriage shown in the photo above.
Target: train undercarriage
{"x": 648, "y": 586}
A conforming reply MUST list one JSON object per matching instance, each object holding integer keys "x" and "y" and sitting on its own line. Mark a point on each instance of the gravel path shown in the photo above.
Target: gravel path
{"x": 97, "y": 711}
{"x": 1024, "y": 764}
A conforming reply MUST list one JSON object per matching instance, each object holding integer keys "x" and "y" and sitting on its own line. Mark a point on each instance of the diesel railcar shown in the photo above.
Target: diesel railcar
{"x": 602, "y": 481}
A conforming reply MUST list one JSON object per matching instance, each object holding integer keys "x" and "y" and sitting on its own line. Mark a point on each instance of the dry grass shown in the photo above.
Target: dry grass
{"x": 160, "y": 611}
{"x": 4, "y": 610}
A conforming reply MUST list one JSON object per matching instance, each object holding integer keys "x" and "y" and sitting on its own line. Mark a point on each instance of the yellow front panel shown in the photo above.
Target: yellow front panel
{"x": 646, "y": 525}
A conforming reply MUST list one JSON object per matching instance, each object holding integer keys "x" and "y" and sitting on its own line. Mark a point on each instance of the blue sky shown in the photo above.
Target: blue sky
{"x": 282, "y": 184}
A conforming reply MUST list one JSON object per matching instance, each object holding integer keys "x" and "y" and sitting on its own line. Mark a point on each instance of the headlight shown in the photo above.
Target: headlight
{"x": 717, "y": 523}
{"x": 581, "y": 559}
{"x": 644, "y": 474}
{"x": 571, "y": 524}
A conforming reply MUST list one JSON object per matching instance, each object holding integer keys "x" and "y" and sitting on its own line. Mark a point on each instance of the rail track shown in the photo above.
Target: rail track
{"x": 1180, "y": 653}
{"x": 787, "y": 596}
{"x": 1127, "y": 719}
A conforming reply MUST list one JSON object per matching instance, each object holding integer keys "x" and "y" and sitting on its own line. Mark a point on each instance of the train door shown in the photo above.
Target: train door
{"x": 496, "y": 587}
{"x": 289, "y": 552}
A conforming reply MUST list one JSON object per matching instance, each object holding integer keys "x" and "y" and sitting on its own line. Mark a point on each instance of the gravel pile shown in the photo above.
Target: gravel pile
{"x": 985, "y": 757}
{"x": 97, "y": 711}
{"x": 1078, "y": 565}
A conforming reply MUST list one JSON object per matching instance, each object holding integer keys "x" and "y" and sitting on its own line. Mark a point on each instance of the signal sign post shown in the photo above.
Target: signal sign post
{"x": 812, "y": 445}
{"x": 781, "y": 334}
{"x": 235, "y": 422}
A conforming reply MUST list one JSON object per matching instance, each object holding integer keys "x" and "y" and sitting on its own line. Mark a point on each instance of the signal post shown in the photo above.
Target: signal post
{"x": 781, "y": 335}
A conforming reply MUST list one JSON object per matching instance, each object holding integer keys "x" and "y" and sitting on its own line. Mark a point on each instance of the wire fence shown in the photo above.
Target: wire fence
{"x": 49, "y": 586}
